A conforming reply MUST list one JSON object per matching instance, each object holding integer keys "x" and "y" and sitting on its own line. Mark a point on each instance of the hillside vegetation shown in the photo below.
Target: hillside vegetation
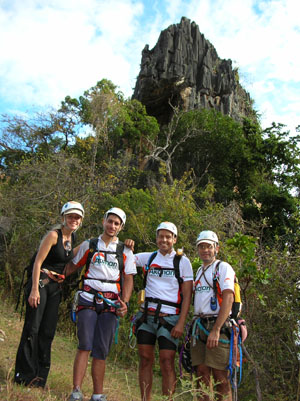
{"x": 202, "y": 171}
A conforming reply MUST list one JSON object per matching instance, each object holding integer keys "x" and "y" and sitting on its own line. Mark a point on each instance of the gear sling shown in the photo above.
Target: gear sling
{"x": 237, "y": 330}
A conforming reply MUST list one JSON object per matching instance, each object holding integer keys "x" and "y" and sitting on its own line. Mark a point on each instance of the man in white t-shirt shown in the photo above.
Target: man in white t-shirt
{"x": 168, "y": 291}
{"x": 210, "y": 356}
{"x": 102, "y": 299}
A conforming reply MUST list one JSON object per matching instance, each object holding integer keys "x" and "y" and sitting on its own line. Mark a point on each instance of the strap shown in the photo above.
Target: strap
{"x": 161, "y": 301}
{"x": 176, "y": 262}
{"x": 235, "y": 349}
{"x": 158, "y": 301}
{"x": 93, "y": 247}
{"x": 198, "y": 324}
{"x": 203, "y": 274}
{"x": 120, "y": 258}
{"x": 147, "y": 267}
{"x": 215, "y": 279}
{"x": 164, "y": 323}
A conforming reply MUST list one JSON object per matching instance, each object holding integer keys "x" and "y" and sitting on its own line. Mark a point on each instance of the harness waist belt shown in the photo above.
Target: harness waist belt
{"x": 103, "y": 280}
{"x": 108, "y": 294}
{"x": 152, "y": 313}
{"x": 161, "y": 301}
{"x": 209, "y": 318}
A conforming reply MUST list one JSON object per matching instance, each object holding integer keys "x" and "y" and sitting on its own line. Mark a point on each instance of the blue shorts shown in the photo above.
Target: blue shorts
{"x": 95, "y": 329}
{"x": 156, "y": 328}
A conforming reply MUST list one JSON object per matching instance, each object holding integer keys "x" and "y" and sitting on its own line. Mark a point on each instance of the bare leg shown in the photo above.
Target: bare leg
{"x": 146, "y": 354}
{"x": 203, "y": 375}
{"x": 98, "y": 371}
{"x": 167, "y": 366}
{"x": 79, "y": 368}
{"x": 223, "y": 388}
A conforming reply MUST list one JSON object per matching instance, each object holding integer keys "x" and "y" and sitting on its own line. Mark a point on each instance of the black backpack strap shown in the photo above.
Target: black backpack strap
{"x": 120, "y": 258}
{"x": 176, "y": 262}
{"x": 93, "y": 242}
{"x": 215, "y": 279}
{"x": 147, "y": 267}
{"x": 93, "y": 248}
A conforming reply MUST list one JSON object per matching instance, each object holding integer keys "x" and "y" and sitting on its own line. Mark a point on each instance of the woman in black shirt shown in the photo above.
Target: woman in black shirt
{"x": 44, "y": 294}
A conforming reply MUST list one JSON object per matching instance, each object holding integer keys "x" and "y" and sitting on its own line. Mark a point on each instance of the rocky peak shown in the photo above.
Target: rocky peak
{"x": 184, "y": 69}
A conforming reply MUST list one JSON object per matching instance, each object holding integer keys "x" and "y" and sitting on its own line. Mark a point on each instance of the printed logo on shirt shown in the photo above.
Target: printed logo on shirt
{"x": 99, "y": 259}
{"x": 202, "y": 288}
{"x": 161, "y": 273}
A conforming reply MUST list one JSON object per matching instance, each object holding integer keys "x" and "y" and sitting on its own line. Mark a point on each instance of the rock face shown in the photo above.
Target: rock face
{"x": 184, "y": 69}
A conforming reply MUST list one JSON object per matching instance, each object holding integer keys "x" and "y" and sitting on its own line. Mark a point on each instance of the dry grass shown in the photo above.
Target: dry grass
{"x": 121, "y": 384}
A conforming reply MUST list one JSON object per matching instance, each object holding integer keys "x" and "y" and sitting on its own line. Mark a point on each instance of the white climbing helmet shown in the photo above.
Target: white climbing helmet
{"x": 117, "y": 211}
{"x": 72, "y": 207}
{"x": 166, "y": 225}
{"x": 207, "y": 236}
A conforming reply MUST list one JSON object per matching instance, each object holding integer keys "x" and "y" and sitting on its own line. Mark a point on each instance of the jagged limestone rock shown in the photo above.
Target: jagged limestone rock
{"x": 184, "y": 69}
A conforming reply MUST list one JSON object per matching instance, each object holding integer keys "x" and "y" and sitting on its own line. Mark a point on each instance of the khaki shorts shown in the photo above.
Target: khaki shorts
{"x": 216, "y": 358}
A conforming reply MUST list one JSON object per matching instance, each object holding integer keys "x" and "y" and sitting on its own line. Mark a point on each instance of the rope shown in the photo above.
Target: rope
{"x": 201, "y": 327}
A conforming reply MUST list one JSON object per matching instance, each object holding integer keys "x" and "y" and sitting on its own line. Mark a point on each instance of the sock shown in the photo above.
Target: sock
{"x": 96, "y": 397}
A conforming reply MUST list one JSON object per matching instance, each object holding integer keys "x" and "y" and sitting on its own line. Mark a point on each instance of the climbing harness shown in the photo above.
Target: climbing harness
{"x": 197, "y": 326}
{"x": 135, "y": 323}
{"x": 42, "y": 282}
{"x": 236, "y": 308}
{"x": 99, "y": 295}
{"x": 93, "y": 248}
{"x": 158, "y": 301}
{"x": 235, "y": 340}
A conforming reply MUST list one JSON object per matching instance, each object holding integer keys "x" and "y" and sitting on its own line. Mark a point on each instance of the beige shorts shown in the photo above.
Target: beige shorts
{"x": 216, "y": 358}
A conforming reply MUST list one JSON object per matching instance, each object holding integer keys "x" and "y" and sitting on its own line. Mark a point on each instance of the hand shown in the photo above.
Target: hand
{"x": 122, "y": 310}
{"x": 213, "y": 339}
{"x": 130, "y": 244}
{"x": 177, "y": 330}
{"x": 34, "y": 298}
{"x": 59, "y": 278}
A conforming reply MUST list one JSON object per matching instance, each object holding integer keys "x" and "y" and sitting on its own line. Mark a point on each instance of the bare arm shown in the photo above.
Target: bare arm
{"x": 70, "y": 268}
{"x": 214, "y": 335}
{"x": 126, "y": 294}
{"x": 130, "y": 244}
{"x": 127, "y": 287}
{"x": 45, "y": 246}
{"x": 186, "y": 289}
{"x": 76, "y": 249}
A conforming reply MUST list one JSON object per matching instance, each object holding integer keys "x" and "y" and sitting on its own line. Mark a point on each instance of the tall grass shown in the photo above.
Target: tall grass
{"x": 121, "y": 381}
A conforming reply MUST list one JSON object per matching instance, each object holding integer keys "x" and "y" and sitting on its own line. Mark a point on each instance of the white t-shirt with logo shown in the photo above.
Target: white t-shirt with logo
{"x": 163, "y": 284}
{"x": 103, "y": 266}
{"x": 204, "y": 287}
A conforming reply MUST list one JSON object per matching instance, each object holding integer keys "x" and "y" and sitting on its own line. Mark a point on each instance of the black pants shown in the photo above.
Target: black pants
{"x": 34, "y": 352}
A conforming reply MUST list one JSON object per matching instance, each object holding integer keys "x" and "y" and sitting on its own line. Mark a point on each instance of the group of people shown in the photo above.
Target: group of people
{"x": 106, "y": 288}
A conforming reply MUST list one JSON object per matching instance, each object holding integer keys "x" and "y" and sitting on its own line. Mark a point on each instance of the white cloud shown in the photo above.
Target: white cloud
{"x": 53, "y": 48}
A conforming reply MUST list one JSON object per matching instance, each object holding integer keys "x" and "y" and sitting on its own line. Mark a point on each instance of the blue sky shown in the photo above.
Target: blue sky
{"x": 54, "y": 48}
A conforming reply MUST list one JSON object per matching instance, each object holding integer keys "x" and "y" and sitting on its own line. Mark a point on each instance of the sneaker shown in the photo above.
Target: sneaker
{"x": 76, "y": 396}
{"x": 102, "y": 398}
